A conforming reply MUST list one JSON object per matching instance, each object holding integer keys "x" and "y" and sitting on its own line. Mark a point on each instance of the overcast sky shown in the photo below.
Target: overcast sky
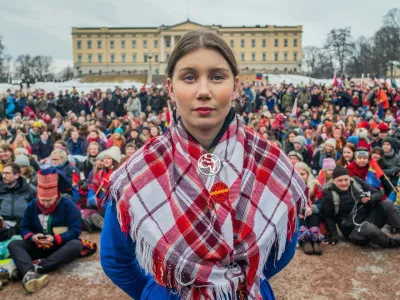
{"x": 44, "y": 27}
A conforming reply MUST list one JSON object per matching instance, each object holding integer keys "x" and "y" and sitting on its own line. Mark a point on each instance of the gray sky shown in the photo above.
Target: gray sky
{"x": 44, "y": 27}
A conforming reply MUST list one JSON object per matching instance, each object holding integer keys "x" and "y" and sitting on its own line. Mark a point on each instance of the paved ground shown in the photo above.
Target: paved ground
{"x": 342, "y": 272}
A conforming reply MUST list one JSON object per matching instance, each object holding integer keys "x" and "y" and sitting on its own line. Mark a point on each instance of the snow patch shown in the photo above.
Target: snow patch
{"x": 357, "y": 290}
{"x": 372, "y": 269}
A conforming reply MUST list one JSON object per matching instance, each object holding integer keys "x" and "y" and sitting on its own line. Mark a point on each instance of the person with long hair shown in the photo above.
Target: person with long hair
{"x": 6, "y": 155}
{"x": 310, "y": 236}
{"x": 328, "y": 149}
{"x": 180, "y": 200}
{"x": 20, "y": 141}
{"x": 348, "y": 154}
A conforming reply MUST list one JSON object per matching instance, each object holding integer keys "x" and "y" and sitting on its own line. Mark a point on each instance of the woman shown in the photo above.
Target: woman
{"x": 130, "y": 149}
{"x": 117, "y": 139}
{"x": 93, "y": 150}
{"x": 32, "y": 161}
{"x": 328, "y": 149}
{"x": 111, "y": 159}
{"x": 359, "y": 167}
{"x": 27, "y": 171}
{"x": 310, "y": 236}
{"x": 390, "y": 158}
{"x": 288, "y": 143}
{"x": 377, "y": 155}
{"x": 6, "y": 155}
{"x": 348, "y": 155}
{"x": 21, "y": 142}
{"x": 202, "y": 80}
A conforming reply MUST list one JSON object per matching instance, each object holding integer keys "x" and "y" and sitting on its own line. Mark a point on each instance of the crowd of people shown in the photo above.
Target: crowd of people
{"x": 57, "y": 154}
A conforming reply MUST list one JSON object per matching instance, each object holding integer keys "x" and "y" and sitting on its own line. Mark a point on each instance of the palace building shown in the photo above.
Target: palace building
{"x": 111, "y": 50}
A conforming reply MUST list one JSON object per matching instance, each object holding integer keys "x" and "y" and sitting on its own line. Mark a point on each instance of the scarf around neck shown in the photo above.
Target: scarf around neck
{"x": 188, "y": 242}
{"x": 49, "y": 210}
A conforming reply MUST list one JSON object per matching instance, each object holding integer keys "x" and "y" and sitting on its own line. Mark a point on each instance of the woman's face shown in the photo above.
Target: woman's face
{"x": 93, "y": 150}
{"x": 376, "y": 156}
{"x": 329, "y": 173}
{"x": 99, "y": 164}
{"x": 154, "y": 131}
{"x": 130, "y": 151}
{"x": 348, "y": 154}
{"x": 117, "y": 135}
{"x": 303, "y": 174}
{"x": 202, "y": 87}
{"x": 5, "y": 155}
{"x": 19, "y": 138}
{"x": 291, "y": 137}
{"x": 337, "y": 133}
{"x": 324, "y": 129}
{"x": 328, "y": 148}
{"x": 107, "y": 162}
{"x": 362, "y": 161}
{"x": 386, "y": 147}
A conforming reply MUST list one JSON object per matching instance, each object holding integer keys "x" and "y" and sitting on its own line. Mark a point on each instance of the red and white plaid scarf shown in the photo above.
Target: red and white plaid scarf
{"x": 189, "y": 243}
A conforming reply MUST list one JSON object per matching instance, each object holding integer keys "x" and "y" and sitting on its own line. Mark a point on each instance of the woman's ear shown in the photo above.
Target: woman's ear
{"x": 236, "y": 88}
{"x": 170, "y": 90}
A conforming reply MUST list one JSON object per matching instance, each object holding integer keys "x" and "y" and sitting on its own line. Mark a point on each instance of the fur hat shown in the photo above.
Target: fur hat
{"x": 22, "y": 160}
{"x": 114, "y": 152}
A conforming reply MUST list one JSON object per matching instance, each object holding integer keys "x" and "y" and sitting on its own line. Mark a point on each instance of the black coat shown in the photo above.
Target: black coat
{"x": 344, "y": 218}
{"x": 42, "y": 150}
{"x": 109, "y": 105}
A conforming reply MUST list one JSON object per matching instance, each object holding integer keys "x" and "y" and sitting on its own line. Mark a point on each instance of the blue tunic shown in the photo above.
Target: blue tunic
{"x": 118, "y": 259}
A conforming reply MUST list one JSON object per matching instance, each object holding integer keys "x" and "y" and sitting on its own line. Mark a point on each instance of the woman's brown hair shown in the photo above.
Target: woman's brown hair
{"x": 8, "y": 147}
{"x": 201, "y": 39}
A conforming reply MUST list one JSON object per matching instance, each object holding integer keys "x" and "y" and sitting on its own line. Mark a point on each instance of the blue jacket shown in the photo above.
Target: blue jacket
{"x": 118, "y": 259}
{"x": 76, "y": 148}
{"x": 66, "y": 214}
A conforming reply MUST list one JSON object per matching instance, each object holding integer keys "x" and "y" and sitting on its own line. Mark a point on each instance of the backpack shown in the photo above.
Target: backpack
{"x": 335, "y": 196}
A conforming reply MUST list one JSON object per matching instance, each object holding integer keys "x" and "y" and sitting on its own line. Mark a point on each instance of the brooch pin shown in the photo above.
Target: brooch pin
{"x": 209, "y": 164}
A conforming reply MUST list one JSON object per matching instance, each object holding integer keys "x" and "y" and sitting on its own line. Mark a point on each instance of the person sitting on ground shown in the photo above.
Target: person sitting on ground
{"x": 59, "y": 161}
{"x": 32, "y": 161}
{"x": 15, "y": 195}
{"x": 27, "y": 172}
{"x": 42, "y": 149}
{"x": 93, "y": 151}
{"x": 295, "y": 157}
{"x": 349, "y": 151}
{"x": 34, "y": 133}
{"x": 328, "y": 149}
{"x": 50, "y": 230}
{"x": 93, "y": 137}
{"x": 391, "y": 158}
{"x": 310, "y": 236}
{"x": 325, "y": 175}
{"x": 111, "y": 159}
{"x": 360, "y": 166}
{"x": 357, "y": 209}
{"x": 116, "y": 139}
{"x": 130, "y": 149}
{"x": 75, "y": 144}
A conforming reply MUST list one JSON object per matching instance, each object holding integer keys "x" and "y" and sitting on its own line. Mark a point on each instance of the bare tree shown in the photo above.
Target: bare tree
{"x": 392, "y": 18}
{"x": 67, "y": 73}
{"x": 309, "y": 59}
{"x": 340, "y": 43}
{"x": 4, "y": 62}
{"x": 42, "y": 67}
{"x": 24, "y": 66}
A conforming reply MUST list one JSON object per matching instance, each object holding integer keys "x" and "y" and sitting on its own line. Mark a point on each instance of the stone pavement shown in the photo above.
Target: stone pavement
{"x": 343, "y": 272}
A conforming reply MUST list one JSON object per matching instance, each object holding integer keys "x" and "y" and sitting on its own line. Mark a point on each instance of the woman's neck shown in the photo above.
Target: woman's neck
{"x": 204, "y": 137}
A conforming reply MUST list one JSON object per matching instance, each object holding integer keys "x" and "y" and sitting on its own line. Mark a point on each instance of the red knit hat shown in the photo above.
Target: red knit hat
{"x": 47, "y": 185}
{"x": 362, "y": 124}
{"x": 383, "y": 127}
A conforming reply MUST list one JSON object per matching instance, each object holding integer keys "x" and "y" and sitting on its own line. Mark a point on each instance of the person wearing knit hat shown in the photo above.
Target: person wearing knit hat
{"x": 27, "y": 171}
{"x": 331, "y": 141}
{"x": 51, "y": 227}
{"x": 34, "y": 133}
{"x": 391, "y": 159}
{"x": 295, "y": 157}
{"x": 299, "y": 145}
{"x": 111, "y": 159}
{"x": 353, "y": 140}
{"x": 383, "y": 127}
{"x": 328, "y": 164}
{"x": 116, "y": 139}
{"x": 347, "y": 204}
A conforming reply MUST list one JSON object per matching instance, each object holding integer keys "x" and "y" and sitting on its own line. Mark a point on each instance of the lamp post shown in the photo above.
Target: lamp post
{"x": 149, "y": 75}
{"x": 149, "y": 57}
{"x": 299, "y": 66}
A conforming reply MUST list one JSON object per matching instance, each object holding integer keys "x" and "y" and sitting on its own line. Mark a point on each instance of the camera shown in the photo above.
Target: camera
{"x": 366, "y": 195}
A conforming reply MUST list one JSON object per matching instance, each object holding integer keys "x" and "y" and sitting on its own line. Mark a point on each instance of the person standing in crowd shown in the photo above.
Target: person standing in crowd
{"x": 109, "y": 104}
{"x": 134, "y": 105}
{"x": 50, "y": 229}
{"x": 202, "y": 79}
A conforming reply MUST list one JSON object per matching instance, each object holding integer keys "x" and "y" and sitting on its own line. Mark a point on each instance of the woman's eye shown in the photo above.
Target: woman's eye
{"x": 188, "y": 78}
{"x": 218, "y": 77}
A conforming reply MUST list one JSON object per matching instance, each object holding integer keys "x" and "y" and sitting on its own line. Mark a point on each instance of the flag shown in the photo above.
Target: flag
{"x": 75, "y": 186}
{"x": 381, "y": 112}
{"x": 335, "y": 81}
{"x": 321, "y": 178}
{"x": 294, "y": 109}
{"x": 374, "y": 174}
{"x": 258, "y": 76}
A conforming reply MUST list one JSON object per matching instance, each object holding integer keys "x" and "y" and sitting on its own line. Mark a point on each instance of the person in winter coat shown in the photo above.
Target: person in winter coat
{"x": 134, "y": 105}
{"x": 27, "y": 172}
{"x": 43, "y": 148}
{"x": 11, "y": 106}
{"x": 116, "y": 139}
{"x": 93, "y": 137}
{"x": 111, "y": 159}
{"x": 360, "y": 166}
{"x": 315, "y": 99}
{"x": 21, "y": 142}
{"x": 310, "y": 236}
{"x": 357, "y": 209}
{"x": 377, "y": 155}
{"x": 75, "y": 144}
{"x": 92, "y": 152}
{"x": 60, "y": 161}
{"x": 288, "y": 142}
{"x": 5, "y": 136}
{"x": 328, "y": 149}
{"x": 15, "y": 195}
{"x": 50, "y": 230}
{"x": 391, "y": 159}
{"x": 303, "y": 97}
{"x": 109, "y": 104}
{"x": 144, "y": 98}
{"x": 299, "y": 144}
{"x": 34, "y": 133}
{"x": 287, "y": 99}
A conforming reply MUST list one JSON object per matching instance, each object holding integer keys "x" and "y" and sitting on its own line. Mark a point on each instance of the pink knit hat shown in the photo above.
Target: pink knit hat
{"x": 328, "y": 164}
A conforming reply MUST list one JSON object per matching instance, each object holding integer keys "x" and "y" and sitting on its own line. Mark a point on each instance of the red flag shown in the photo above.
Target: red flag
{"x": 335, "y": 81}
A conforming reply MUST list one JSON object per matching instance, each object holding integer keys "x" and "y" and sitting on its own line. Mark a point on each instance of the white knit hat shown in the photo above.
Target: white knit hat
{"x": 19, "y": 151}
{"x": 114, "y": 152}
{"x": 22, "y": 160}
{"x": 331, "y": 141}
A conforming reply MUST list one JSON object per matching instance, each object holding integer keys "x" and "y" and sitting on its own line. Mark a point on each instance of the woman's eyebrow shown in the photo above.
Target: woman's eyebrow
{"x": 188, "y": 69}
{"x": 222, "y": 70}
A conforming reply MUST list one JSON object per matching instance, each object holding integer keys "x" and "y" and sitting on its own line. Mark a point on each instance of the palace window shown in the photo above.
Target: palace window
{"x": 79, "y": 58}
{"x": 242, "y": 56}
{"x": 134, "y": 57}
{"x": 99, "y": 58}
{"x": 123, "y": 44}
{"x": 123, "y": 57}
{"x": 79, "y": 44}
{"x": 98, "y": 44}
{"x": 111, "y": 44}
{"x": 89, "y": 44}
{"x": 155, "y": 43}
{"x": 264, "y": 43}
{"x": 145, "y": 57}
{"x": 276, "y": 42}
{"x": 145, "y": 44}
{"x": 285, "y": 56}
{"x": 253, "y": 57}
{"x": 295, "y": 43}
{"x": 253, "y": 43}
{"x": 156, "y": 58}
{"x": 264, "y": 56}
{"x": 294, "y": 56}
{"x": 285, "y": 42}
{"x": 276, "y": 56}
{"x": 133, "y": 44}
{"x": 242, "y": 43}
{"x": 112, "y": 58}
{"x": 89, "y": 58}
{"x": 232, "y": 43}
